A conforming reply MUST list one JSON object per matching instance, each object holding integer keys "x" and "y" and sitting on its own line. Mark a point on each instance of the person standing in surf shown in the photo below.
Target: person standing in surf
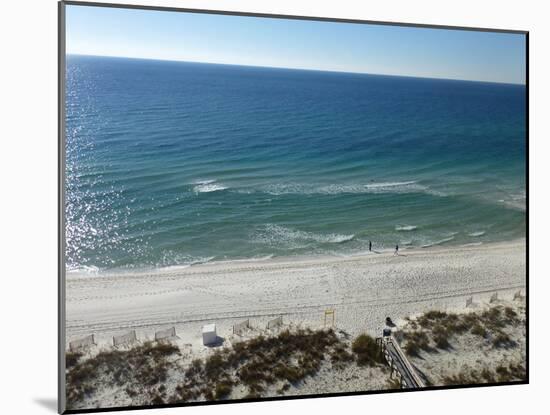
{"x": 370, "y": 246}
{"x": 396, "y": 250}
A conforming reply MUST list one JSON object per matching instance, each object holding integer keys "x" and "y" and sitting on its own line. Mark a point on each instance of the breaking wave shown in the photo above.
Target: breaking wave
{"x": 405, "y": 228}
{"x": 440, "y": 242}
{"x": 279, "y": 235}
{"x": 389, "y": 184}
{"x": 334, "y": 189}
{"x": 207, "y": 186}
{"x": 188, "y": 261}
{"x": 472, "y": 244}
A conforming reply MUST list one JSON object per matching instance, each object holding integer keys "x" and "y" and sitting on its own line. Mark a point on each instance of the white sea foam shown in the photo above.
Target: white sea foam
{"x": 513, "y": 200}
{"x": 517, "y": 204}
{"x": 476, "y": 234}
{"x": 472, "y": 244}
{"x": 258, "y": 258}
{"x": 441, "y": 241}
{"x": 204, "y": 181}
{"x": 335, "y": 238}
{"x": 253, "y": 259}
{"x": 85, "y": 269}
{"x": 405, "y": 228}
{"x": 279, "y": 235}
{"x": 182, "y": 262}
{"x": 189, "y": 261}
{"x": 208, "y": 187}
{"x": 358, "y": 188}
{"x": 201, "y": 260}
{"x": 388, "y": 184}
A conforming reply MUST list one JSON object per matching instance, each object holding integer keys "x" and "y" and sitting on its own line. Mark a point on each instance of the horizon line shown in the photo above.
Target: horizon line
{"x": 299, "y": 69}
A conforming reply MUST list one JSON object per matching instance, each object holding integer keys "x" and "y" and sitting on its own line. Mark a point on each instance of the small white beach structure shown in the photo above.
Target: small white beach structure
{"x": 209, "y": 335}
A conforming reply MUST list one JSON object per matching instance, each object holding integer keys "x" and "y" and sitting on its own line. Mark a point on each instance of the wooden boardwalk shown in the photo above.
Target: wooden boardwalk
{"x": 399, "y": 364}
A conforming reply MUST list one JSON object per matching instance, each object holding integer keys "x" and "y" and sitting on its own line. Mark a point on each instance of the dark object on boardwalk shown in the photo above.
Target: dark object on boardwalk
{"x": 389, "y": 322}
{"x": 386, "y": 332}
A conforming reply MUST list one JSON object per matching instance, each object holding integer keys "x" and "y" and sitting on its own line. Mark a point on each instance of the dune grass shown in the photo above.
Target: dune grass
{"x": 367, "y": 351}
{"x": 504, "y": 372}
{"x": 139, "y": 375}
{"x": 140, "y": 370}
{"x": 285, "y": 359}
{"x": 435, "y": 330}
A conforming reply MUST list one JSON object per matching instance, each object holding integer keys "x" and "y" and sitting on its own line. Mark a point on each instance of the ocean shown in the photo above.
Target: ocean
{"x": 173, "y": 163}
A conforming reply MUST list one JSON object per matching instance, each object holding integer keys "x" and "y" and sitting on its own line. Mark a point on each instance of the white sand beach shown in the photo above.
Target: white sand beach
{"x": 363, "y": 291}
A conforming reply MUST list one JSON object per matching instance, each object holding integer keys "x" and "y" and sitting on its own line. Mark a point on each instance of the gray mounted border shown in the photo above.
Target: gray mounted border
{"x": 61, "y": 387}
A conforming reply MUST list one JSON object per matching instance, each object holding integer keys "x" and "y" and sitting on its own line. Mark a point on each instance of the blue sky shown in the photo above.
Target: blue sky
{"x": 376, "y": 49}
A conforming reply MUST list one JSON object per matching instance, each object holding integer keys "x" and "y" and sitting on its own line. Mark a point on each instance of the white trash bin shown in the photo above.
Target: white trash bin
{"x": 209, "y": 335}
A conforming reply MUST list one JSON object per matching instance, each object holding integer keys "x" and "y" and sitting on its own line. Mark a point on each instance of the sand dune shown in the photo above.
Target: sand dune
{"x": 362, "y": 290}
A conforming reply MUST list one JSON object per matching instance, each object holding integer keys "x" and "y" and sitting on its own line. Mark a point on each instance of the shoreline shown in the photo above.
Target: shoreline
{"x": 363, "y": 291}
{"x": 287, "y": 259}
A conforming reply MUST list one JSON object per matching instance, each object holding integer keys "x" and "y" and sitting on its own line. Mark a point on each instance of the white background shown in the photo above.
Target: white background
{"x": 28, "y": 204}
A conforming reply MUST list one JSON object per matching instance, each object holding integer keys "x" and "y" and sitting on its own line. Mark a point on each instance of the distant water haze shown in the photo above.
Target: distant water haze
{"x": 173, "y": 164}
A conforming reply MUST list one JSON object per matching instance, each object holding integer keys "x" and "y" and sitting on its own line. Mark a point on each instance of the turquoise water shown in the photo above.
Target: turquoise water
{"x": 172, "y": 163}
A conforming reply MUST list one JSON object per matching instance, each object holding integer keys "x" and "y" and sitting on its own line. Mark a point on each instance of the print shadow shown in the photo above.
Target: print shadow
{"x": 48, "y": 403}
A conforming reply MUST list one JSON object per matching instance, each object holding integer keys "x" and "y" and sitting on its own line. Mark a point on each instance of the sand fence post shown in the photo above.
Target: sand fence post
{"x": 82, "y": 343}
{"x": 239, "y": 328}
{"x": 329, "y": 314}
{"x": 165, "y": 334}
{"x": 276, "y": 322}
{"x": 125, "y": 339}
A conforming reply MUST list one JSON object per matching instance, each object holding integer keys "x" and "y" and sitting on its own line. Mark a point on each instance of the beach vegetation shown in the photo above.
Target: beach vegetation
{"x": 441, "y": 337}
{"x": 288, "y": 357}
{"x": 280, "y": 361}
{"x": 412, "y": 349}
{"x": 284, "y": 387}
{"x": 141, "y": 368}
{"x": 340, "y": 356}
{"x": 431, "y": 317}
{"x": 223, "y": 389}
{"x": 503, "y": 340}
{"x": 493, "y": 318}
{"x": 416, "y": 341}
{"x": 157, "y": 400}
{"x": 511, "y": 315}
{"x": 436, "y": 329}
{"x": 486, "y": 330}
{"x": 439, "y": 320}
{"x": 367, "y": 352}
{"x": 479, "y": 330}
{"x": 503, "y": 372}
{"x": 71, "y": 359}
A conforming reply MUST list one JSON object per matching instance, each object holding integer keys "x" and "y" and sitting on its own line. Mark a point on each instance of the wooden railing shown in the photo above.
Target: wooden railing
{"x": 400, "y": 366}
